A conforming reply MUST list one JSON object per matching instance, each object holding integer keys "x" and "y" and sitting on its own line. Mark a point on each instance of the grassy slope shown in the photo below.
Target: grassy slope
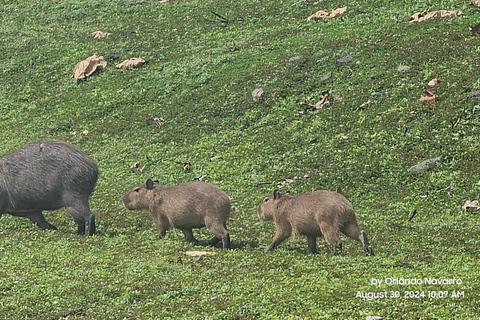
{"x": 199, "y": 79}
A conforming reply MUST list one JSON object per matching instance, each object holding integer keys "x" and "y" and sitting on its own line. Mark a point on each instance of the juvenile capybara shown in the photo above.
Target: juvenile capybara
{"x": 48, "y": 175}
{"x": 312, "y": 214}
{"x": 186, "y": 206}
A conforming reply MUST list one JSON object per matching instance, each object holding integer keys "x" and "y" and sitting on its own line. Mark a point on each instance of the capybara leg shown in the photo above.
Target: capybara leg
{"x": 226, "y": 242}
{"x": 84, "y": 217}
{"x": 337, "y": 249}
{"x": 312, "y": 244}
{"x": 277, "y": 239}
{"x": 364, "y": 240}
{"x": 220, "y": 231}
{"x": 38, "y": 218}
{"x": 189, "y": 235}
{"x": 331, "y": 235}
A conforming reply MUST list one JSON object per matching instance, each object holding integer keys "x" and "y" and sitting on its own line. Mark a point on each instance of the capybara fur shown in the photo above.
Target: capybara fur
{"x": 48, "y": 175}
{"x": 312, "y": 214}
{"x": 189, "y": 205}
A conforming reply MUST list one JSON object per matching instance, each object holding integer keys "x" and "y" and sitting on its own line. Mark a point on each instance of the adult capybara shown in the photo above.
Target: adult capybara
{"x": 186, "y": 206}
{"x": 48, "y": 175}
{"x": 312, "y": 214}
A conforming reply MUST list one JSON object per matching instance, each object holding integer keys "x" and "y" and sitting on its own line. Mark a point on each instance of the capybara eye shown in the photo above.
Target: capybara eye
{"x": 136, "y": 189}
{"x": 266, "y": 200}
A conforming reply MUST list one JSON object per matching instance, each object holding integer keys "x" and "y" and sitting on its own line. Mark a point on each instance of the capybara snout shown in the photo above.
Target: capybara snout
{"x": 318, "y": 213}
{"x": 48, "y": 175}
{"x": 186, "y": 206}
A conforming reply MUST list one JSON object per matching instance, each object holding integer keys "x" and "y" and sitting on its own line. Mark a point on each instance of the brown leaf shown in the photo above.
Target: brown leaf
{"x": 87, "y": 67}
{"x": 422, "y": 16}
{"x": 131, "y": 63}
{"x": 476, "y": 3}
{"x": 430, "y": 91}
{"x": 322, "y": 14}
{"x": 319, "y": 105}
{"x": 100, "y": 34}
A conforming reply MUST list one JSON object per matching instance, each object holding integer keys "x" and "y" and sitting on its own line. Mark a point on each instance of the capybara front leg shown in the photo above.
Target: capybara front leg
{"x": 38, "y": 218}
{"x": 312, "y": 244}
{"x": 188, "y": 233}
{"x": 279, "y": 238}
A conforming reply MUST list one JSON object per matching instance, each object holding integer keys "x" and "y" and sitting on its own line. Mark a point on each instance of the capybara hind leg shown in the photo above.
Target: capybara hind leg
{"x": 331, "y": 235}
{"x": 189, "y": 235}
{"x": 366, "y": 247}
{"x": 84, "y": 217}
{"x": 38, "y": 218}
{"x": 312, "y": 244}
{"x": 220, "y": 232}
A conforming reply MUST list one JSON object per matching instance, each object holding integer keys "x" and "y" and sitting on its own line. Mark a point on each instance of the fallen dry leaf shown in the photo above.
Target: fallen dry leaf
{"x": 322, "y": 14}
{"x": 100, "y": 34}
{"x": 470, "y": 206}
{"x": 319, "y": 105}
{"x": 197, "y": 253}
{"x": 476, "y": 3}
{"x": 131, "y": 63}
{"x": 87, "y": 67}
{"x": 422, "y": 16}
{"x": 430, "y": 91}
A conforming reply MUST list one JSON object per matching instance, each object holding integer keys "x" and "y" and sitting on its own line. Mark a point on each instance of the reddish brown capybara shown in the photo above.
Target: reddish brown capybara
{"x": 48, "y": 175}
{"x": 189, "y": 205}
{"x": 312, "y": 214}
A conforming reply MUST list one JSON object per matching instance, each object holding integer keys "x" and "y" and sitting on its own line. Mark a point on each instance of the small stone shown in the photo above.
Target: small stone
{"x": 326, "y": 77}
{"x": 344, "y": 61}
{"x": 475, "y": 94}
{"x": 403, "y": 68}
{"x": 295, "y": 59}
{"x": 258, "y": 94}
{"x": 425, "y": 164}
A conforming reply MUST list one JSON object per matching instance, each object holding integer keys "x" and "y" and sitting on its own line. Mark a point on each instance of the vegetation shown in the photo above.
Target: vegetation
{"x": 204, "y": 60}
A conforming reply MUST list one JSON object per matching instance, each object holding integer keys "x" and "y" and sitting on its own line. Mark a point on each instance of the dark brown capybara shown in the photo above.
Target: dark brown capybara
{"x": 189, "y": 205}
{"x": 48, "y": 175}
{"x": 312, "y": 214}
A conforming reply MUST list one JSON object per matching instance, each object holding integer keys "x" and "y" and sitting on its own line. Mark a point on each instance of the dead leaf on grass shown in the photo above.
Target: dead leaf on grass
{"x": 131, "y": 63}
{"x": 430, "y": 91}
{"x": 319, "y": 105}
{"x": 322, "y": 14}
{"x": 470, "y": 206}
{"x": 100, "y": 34}
{"x": 422, "y": 16}
{"x": 87, "y": 67}
{"x": 476, "y": 3}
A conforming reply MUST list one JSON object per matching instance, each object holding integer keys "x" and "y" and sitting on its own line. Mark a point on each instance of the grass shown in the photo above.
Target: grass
{"x": 199, "y": 78}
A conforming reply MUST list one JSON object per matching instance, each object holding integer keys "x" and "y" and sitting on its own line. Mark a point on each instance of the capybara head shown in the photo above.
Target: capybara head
{"x": 139, "y": 196}
{"x": 268, "y": 206}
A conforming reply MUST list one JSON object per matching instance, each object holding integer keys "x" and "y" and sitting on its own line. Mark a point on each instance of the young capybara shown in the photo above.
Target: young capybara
{"x": 48, "y": 175}
{"x": 312, "y": 214}
{"x": 186, "y": 206}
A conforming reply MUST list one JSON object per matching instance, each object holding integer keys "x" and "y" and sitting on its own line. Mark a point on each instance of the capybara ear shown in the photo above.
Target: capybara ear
{"x": 276, "y": 195}
{"x": 149, "y": 184}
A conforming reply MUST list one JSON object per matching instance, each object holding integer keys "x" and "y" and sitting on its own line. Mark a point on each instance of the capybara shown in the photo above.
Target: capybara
{"x": 312, "y": 214}
{"x": 193, "y": 204}
{"x": 48, "y": 175}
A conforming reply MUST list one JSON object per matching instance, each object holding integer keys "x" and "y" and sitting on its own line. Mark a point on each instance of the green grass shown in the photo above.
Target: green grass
{"x": 199, "y": 78}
